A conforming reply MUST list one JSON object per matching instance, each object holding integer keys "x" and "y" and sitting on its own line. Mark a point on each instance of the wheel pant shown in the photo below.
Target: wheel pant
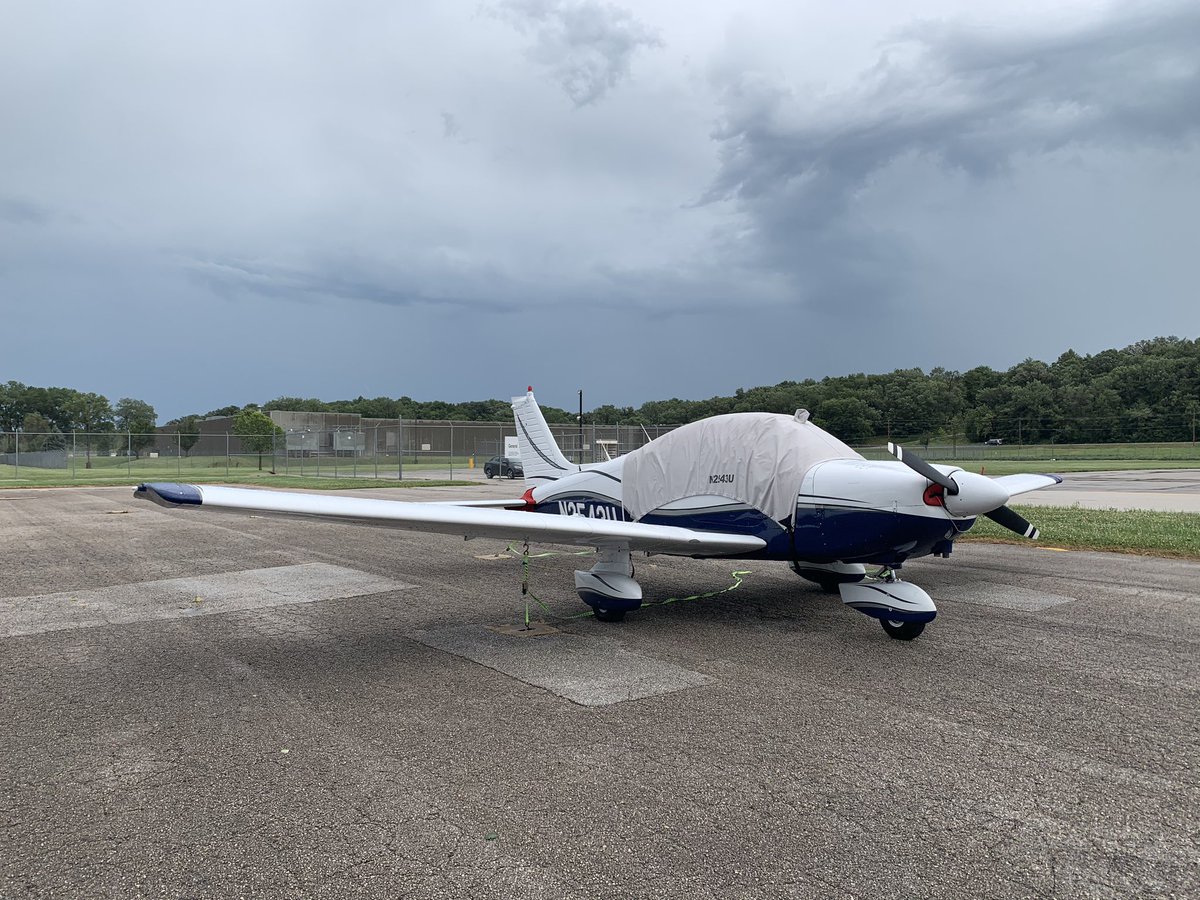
{"x": 738, "y": 577}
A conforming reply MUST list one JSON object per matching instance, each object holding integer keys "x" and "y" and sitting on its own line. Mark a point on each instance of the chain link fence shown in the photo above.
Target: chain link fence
{"x": 423, "y": 450}
{"x": 448, "y": 451}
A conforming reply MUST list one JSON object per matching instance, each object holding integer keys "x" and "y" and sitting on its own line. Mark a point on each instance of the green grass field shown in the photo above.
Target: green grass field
{"x": 1171, "y": 534}
{"x": 331, "y": 473}
{"x": 1155, "y": 533}
{"x": 244, "y": 469}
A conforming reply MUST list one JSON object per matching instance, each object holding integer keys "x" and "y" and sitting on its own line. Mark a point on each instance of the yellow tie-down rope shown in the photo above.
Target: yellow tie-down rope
{"x": 739, "y": 576}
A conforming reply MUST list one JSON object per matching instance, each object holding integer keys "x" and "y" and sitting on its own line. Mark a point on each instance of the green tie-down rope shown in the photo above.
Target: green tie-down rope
{"x": 738, "y": 577}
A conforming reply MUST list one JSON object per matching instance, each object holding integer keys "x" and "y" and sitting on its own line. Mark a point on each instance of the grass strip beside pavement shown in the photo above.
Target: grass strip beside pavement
{"x": 1145, "y": 532}
{"x": 1062, "y": 466}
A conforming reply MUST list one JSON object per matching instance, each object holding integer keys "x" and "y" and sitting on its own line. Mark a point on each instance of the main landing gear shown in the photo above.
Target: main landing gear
{"x": 830, "y": 576}
{"x": 608, "y": 588}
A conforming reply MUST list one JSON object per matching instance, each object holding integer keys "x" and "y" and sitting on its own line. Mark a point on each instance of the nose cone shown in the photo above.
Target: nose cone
{"x": 977, "y": 494}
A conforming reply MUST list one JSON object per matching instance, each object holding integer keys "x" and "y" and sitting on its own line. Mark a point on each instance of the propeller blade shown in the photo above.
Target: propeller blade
{"x": 921, "y": 467}
{"x": 1013, "y": 522}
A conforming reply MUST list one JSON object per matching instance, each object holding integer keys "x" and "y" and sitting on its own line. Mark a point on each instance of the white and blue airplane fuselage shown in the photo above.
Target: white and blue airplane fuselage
{"x": 744, "y": 486}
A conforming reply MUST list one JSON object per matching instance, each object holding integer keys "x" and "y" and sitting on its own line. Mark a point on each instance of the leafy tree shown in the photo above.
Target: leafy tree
{"x": 188, "y": 429}
{"x": 139, "y": 419}
{"x": 257, "y": 432}
{"x": 91, "y": 414}
{"x": 40, "y": 433}
{"x": 296, "y": 404}
{"x": 850, "y": 418}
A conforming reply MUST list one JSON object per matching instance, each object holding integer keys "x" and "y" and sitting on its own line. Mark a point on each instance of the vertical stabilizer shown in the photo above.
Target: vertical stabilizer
{"x": 540, "y": 456}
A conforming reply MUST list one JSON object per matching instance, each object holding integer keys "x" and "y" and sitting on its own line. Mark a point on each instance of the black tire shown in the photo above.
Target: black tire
{"x": 902, "y": 631}
{"x": 610, "y": 615}
{"x": 512, "y": 473}
{"x": 487, "y": 473}
{"x": 828, "y": 583}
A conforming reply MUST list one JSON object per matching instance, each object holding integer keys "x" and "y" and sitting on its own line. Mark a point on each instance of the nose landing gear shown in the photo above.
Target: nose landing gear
{"x": 902, "y": 608}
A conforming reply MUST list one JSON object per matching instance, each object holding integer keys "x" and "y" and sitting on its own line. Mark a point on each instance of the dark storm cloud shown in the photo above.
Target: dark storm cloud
{"x": 480, "y": 288}
{"x": 339, "y": 280}
{"x": 16, "y": 211}
{"x": 587, "y": 45}
{"x": 954, "y": 99}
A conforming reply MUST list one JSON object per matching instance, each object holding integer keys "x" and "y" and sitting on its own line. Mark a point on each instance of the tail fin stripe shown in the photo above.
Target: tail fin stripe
{"x": 536, "y": 449}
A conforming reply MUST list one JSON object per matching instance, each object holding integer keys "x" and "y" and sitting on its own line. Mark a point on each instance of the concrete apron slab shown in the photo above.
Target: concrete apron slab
{"x": 586, "y": 669}
{"x": 1005, "y": 596}
{"x": 177, "y": 598}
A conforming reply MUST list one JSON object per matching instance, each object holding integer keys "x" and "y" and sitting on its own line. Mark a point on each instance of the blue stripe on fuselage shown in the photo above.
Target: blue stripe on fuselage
{"x": 821, "y": 534}
{"x": 739, "y": 520}
{"x": 872, "y": 536}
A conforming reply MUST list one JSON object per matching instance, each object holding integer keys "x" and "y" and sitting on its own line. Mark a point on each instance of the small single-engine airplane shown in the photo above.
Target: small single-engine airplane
{"x": 743, "y": 486}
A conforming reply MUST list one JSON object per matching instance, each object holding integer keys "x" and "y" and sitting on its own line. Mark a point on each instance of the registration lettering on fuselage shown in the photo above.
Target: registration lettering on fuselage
{"x": 720, "y": 479}
{"x": 590, "y": 509}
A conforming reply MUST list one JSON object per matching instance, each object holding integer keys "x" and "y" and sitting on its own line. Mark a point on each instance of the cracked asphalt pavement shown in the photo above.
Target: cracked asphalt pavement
{"x": 319, "y": 749}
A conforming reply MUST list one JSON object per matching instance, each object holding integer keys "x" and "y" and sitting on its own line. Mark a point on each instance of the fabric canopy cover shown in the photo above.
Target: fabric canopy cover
{"x": 757, "y": 458}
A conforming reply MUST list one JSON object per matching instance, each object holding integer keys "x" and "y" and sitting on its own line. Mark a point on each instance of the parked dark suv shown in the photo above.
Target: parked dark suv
{"x": 503, "y": 467}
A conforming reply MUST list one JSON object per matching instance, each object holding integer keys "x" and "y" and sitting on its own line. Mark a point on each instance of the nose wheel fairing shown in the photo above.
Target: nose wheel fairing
{"x": 890, "y": 601}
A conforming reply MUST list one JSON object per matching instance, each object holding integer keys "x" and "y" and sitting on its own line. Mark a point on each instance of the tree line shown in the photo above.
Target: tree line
{"x": 55, "y": 418}
{"x": 1148, "y": 391}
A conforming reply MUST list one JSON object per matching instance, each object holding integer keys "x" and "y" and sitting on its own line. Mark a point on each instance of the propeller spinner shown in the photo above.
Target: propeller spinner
{"x": 968, "y": 494}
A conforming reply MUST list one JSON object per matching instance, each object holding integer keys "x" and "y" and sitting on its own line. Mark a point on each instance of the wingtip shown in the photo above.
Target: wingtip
{"x": 168, "y": 494}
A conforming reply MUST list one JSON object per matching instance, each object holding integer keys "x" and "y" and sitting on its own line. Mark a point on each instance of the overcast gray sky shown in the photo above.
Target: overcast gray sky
{"x": 204, "y": 203}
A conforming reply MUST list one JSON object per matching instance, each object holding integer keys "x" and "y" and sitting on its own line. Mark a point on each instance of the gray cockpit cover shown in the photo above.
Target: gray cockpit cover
{"x": 756, "y": 458}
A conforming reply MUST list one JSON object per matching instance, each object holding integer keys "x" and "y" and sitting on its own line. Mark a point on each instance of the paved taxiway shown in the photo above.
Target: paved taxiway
{"x": 1172, "y": 490}
{"x": 215, "y": 705}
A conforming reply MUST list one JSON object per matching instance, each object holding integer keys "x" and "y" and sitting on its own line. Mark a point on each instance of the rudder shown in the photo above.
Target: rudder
{"x": 540, "y": 456}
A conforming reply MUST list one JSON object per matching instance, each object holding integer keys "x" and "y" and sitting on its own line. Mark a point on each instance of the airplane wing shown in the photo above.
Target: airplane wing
{"x": 470, "y": 522}
{"x": 518, "y": 503}
{"x": 1023, "y": 484}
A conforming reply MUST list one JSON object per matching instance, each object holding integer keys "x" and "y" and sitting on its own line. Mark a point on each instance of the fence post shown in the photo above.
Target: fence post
{"x": 129, "y": 451}
{"x": 227, "y": 454}
{"x": 400, "y": 450}
{"x": 451, "y": 449}
{"x": 73, "y": 452}
{"x": 179, "y": 453}
{"x": 375, "y": 447}
{"x": 17, "y": 442}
